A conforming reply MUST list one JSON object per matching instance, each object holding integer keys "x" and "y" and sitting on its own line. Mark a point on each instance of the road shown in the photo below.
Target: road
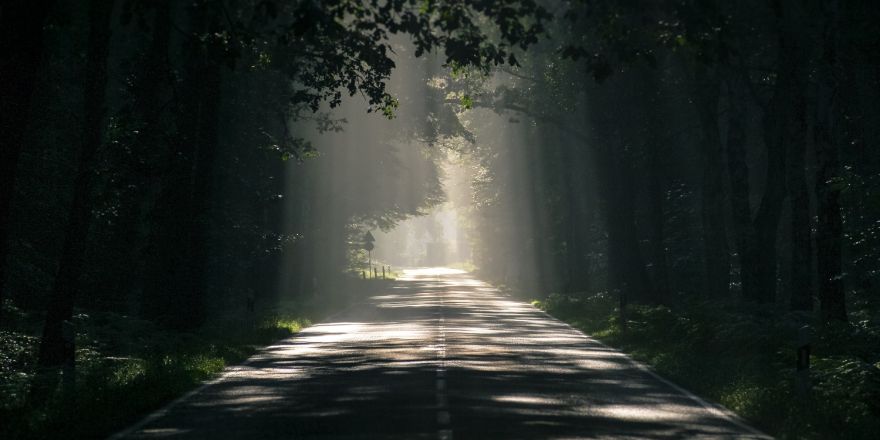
{"x": 440, "y": 356}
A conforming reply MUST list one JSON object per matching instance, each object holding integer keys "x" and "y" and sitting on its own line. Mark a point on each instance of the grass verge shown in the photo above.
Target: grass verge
{"x": 127, "y": 367}
{"x": 745, "y": 360}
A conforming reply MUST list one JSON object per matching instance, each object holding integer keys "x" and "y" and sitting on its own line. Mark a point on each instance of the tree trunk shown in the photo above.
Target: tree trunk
{"x": 829, "y": 230}
{"x": 206, "y": 79}
{"x": 800, "y": 284}
{"x": 738, "y": 172}
{"x": 579, "y": 227}
{"x": 175, "y": 282}
{"x": 54, "y": 350}
{"x": 21, "y": 50}
{"x": 792, "y": 81}
{"x": 657, "y": 198}
{"x": 782, "y": 127}
{"x": 612, "y": 150}
{"x": 757, "y": 235}
{"x": 148, "y": 92}
{"x": 762, "y": 250}
{"x": 625, "y": 263}
{"x": 715, "y": 247}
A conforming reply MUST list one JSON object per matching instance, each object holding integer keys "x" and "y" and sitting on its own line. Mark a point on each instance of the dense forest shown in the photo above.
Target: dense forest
{"x": 694, "y": 181}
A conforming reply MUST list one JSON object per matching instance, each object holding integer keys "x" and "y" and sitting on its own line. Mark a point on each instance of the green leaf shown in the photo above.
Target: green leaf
{"x": 467, "y": 102}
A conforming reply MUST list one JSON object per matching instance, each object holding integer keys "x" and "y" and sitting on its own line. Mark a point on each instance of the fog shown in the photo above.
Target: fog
{"x": 437, "y": 184}
{"x": 437, "y": 238}
{"x": 371, "y": 172}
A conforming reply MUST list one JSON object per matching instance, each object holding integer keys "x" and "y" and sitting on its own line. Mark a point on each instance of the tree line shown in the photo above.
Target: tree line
{"x": 714, "y": 149}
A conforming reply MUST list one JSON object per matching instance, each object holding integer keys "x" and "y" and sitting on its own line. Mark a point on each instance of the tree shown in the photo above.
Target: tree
{"x": 21, "y": 46}
{"x": 829, "y": 229}
{"x": 55, "y": 350}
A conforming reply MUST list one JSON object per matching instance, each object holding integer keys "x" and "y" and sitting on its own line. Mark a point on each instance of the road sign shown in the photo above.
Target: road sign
{"x": 368, "y": 241}
{"x": 369, "y": 246}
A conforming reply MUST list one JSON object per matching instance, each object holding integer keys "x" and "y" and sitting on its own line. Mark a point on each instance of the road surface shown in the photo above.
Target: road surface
{"x": 440, "y": 355}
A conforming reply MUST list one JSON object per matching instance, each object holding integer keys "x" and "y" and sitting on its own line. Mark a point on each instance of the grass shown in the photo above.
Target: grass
{"x": 127, "y": 367}
{"x": 466, "y": 266}
{"x": 745, "y": 360}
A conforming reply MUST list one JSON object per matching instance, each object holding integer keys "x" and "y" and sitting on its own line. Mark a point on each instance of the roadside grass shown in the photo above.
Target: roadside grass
{"x": 744, "y": 359}
{"x": 127, "y": 367}
{"x": 466, "y": 266}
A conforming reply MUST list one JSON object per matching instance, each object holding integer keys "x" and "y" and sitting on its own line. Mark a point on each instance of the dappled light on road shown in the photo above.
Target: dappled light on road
{"x": 440, "y": 355}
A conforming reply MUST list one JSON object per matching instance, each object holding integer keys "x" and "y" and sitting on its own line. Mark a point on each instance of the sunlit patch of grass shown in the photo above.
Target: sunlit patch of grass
{"x": 128, "y": 370}
{"x": 203, "y": 366}
{"x": 739, "y": 396}
{"x": 291, "y": 324}
{"x": 466, "y": 266}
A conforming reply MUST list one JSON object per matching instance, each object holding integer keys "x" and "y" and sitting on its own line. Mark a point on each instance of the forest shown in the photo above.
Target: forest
{"x": 693, "y": 182}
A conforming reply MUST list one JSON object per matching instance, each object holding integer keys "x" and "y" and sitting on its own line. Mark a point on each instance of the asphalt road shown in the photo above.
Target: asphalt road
{"x": 440, "y": 356}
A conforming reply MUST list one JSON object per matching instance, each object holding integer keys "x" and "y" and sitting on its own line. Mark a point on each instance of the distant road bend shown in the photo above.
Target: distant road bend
{"x": 440, "y": 356}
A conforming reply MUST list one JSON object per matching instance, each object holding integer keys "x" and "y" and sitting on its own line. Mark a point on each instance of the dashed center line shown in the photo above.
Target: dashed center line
{"x": 444, "y": 431}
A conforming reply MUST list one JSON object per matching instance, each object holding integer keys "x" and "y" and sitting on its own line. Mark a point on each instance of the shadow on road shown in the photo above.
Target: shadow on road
{"x": 510, "y": 373}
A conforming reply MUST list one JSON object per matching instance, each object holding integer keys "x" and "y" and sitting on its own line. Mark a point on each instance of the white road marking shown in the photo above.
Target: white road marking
{"x": 226, "y": 374}
{"x": 443, "y": 417}
{"x": 714, "y": 409}
{"x": 467, "y": 348}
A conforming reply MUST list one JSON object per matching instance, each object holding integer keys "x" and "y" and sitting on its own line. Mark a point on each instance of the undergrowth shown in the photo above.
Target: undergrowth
{"x": 745, "y": 359}
{"x": 125, "y": 367}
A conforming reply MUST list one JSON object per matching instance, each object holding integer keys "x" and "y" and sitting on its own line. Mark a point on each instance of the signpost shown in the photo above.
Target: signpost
{"x": 803, "y": 360}
{"x": 369, "y": 246}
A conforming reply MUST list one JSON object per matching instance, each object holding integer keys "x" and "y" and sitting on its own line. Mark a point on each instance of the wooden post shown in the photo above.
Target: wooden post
{"x": 68, "y": 370}
{"x": 802, "y": 381}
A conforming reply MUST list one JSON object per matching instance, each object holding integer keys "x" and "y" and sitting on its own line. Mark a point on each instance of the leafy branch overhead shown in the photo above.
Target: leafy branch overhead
{"x": 330, "y": 47}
